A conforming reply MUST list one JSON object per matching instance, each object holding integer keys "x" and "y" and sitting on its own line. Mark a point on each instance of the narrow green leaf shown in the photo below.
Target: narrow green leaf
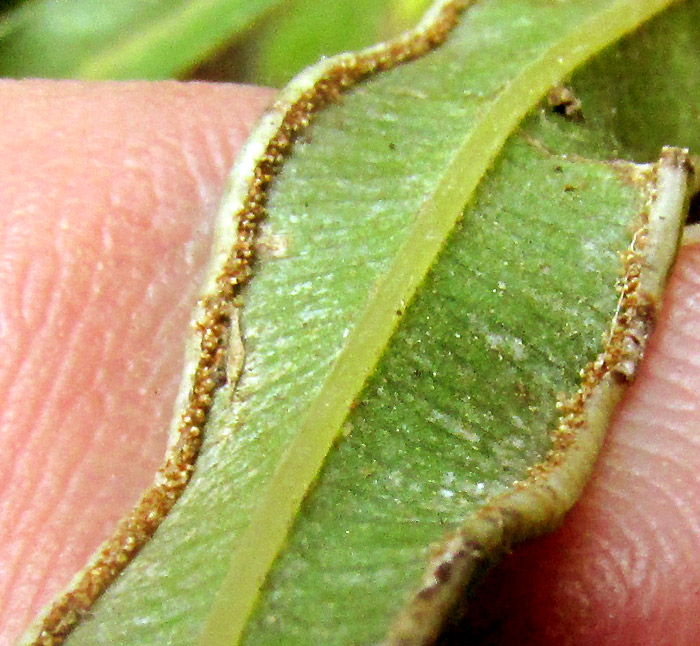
{"x": 119, "y": 39}
{"x": 405, "y": 397}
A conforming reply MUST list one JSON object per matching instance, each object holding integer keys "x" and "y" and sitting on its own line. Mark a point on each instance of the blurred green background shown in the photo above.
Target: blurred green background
{"x": 251, "y": 41}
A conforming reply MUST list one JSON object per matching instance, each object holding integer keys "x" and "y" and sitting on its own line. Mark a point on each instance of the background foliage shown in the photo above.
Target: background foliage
{"x": 253, "y": 41}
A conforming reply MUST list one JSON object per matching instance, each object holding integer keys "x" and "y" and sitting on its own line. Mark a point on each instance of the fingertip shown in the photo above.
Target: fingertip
{"x": 107, "y": 195}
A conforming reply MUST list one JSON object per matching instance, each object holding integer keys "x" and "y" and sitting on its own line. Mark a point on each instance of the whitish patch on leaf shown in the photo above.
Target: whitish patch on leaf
{"x": 537, "y": 504}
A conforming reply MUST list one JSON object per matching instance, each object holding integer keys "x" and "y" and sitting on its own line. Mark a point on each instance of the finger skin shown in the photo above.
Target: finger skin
{"x": 624, "y": 570}
{"x": 106, "y": 198}
{"x": 107, "y": 195}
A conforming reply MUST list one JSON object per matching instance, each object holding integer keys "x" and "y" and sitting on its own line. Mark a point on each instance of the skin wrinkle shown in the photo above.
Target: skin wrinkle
{"x": 641, "y": 454}
{"x": 65, "y": 459}
{"x": 25, "y": 548}
{"x": 12, "y": 267}
{"x": 680, "y": 365}
{"x": 629, "y": 558}
{"x": 575, "y": 592}
{"x": 615, "y": 562}
{"x": 672, "y": 395}
{"x": 190, "y": 155}
{"x": 683, "y": 309}
{"x": 644, "y": 549}
{"x": 679, "y": 451}
{"x": 211, "y": 144}
{"x": 637, "y": 582}
{"x": 674, "y": 505}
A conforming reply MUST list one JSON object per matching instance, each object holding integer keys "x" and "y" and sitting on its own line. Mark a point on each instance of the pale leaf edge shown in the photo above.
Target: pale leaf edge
{"x": 537, "y": 504}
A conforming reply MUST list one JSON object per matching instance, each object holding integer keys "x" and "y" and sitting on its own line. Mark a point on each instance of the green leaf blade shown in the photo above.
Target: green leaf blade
{"x": 464, "y": 401}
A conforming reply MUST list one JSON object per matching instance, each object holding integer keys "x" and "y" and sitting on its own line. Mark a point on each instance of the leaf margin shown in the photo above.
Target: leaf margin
{"x": 537, "y": 505}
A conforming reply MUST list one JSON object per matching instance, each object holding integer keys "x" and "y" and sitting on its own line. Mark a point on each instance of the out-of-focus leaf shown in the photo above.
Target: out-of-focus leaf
{"x": 119, "y": 39}
{"x": 302, "y": 31}
{"x": 6, "y": 5}
{"x": 645, "y": 91}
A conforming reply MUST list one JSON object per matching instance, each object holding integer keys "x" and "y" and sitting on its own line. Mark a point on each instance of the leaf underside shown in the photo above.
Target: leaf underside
{"x": 462, "y": 403}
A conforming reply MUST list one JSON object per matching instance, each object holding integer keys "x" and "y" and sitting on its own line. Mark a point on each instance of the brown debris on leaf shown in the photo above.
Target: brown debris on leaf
{"x": 563, "y": 101}
{"x": 217, "y": 320}
{"x": 537, "y": 504}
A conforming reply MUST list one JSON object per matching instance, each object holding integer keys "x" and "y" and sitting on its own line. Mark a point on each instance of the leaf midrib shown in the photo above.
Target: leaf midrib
{"x": 266, "y": 533}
